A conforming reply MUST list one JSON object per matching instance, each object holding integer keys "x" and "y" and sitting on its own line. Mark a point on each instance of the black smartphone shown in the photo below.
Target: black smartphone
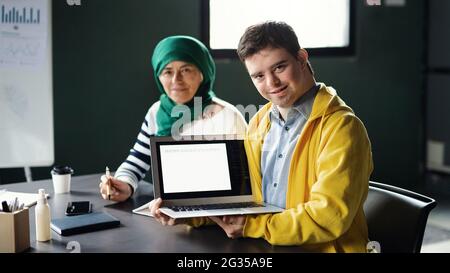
{"x": 79, "y": 207}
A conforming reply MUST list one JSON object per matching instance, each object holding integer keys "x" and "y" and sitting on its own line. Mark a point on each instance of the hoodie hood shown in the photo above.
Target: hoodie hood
{"x": 327, "y": 102}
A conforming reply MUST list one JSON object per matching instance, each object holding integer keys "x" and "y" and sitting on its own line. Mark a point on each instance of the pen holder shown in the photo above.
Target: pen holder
{"x": 14, "y": 231}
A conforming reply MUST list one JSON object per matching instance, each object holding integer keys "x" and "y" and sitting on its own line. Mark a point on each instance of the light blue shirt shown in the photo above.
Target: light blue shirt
{"x": 279, "y": 145}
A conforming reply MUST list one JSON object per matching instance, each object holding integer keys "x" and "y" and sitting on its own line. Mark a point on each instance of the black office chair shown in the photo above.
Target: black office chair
{"x": 396, "y": 217}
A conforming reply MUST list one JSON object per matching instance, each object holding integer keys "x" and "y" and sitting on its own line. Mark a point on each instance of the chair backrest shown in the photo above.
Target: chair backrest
{"x": 396, "y": 217}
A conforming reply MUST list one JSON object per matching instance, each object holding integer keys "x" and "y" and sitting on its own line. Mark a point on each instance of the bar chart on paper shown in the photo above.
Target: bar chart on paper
{"x": 19, "y": 15}
{"x": 23, "y": 32}
{"x": 26, "y": 90}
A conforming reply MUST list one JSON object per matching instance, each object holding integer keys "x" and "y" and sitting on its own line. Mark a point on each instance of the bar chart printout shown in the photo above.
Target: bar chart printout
{"x": 26, "y": 84}
{"x": 23, "y": 33}
{"x": 19, "y": 15}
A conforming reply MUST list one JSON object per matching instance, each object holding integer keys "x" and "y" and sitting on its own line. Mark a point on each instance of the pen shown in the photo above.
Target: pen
{"x": 108, "y": 186}
{"x": 14, "y": 204}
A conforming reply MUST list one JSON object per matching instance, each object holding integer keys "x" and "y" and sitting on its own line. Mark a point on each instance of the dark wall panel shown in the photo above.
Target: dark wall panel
{"x": 103, "y": 81}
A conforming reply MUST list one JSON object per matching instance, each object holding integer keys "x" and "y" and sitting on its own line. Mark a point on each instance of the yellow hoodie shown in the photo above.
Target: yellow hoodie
{"x": 327, "y": 184}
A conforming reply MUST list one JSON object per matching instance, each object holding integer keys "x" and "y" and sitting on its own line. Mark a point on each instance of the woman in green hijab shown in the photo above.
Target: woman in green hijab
{"x": 184, "y": 72}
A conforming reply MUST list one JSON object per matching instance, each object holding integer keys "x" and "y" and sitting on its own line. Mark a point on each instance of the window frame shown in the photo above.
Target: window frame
{"x": 316, "y": 52}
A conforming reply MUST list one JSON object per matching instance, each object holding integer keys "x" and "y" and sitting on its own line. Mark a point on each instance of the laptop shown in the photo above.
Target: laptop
{"x": 202, "y": 176}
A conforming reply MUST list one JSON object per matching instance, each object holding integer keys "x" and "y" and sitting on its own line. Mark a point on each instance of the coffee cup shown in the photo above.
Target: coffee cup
{"x": 61, "y": 176}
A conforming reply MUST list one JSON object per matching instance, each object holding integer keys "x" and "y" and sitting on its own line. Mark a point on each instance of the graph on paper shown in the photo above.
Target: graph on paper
{"x": 26, "y": 101}
{"x": 16, "y": 15}
{"x": 23, "y": 34}
{"x": 23, "y": 15}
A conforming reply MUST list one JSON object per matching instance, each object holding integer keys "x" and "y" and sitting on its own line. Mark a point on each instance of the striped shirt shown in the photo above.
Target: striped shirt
{"x": 228, "y": 121}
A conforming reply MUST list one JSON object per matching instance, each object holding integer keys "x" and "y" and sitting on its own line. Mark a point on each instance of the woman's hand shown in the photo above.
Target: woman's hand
{"x": 119, "y": 190}
{"x": 165, "y": 220}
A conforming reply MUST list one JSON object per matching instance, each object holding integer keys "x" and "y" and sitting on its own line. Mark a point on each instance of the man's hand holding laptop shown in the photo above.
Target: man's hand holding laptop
{"x": 232, "y": 225}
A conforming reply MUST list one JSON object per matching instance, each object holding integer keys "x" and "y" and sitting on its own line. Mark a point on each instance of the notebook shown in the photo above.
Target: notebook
{"x": 204, "y": 176}
{"x": 84, "y": 223}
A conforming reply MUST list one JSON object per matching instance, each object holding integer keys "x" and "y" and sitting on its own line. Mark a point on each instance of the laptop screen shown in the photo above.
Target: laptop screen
{"x": 177, "y": 169}
{"x": 200, "y": 168}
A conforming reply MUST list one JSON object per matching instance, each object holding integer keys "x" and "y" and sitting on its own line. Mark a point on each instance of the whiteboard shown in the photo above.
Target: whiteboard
{"x": 26, "y": 87}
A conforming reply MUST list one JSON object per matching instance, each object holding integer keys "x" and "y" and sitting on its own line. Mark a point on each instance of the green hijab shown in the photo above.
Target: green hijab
{"x": 190, "y": 50}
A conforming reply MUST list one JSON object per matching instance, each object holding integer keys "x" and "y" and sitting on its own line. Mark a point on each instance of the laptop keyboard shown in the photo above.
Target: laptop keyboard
{"x": 216, "y": 206}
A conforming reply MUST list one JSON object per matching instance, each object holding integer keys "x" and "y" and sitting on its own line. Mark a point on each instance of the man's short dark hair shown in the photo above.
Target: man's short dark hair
{"x": 268, "y": 34}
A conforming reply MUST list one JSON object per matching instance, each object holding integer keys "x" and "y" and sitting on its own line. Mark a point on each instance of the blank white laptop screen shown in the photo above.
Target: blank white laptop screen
{"x": 195, "y": 167}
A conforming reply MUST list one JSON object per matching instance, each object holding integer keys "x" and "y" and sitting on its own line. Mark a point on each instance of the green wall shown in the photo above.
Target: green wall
{"x": 103, "y": 81}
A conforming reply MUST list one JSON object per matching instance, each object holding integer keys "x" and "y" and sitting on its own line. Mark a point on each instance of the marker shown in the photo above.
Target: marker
{"x": 5, "y": 206}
